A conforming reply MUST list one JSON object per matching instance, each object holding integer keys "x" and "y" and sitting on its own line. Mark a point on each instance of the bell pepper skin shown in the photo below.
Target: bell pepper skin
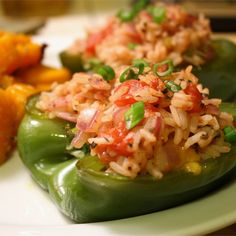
{"x": 35, "y": 133}
{"x": 85, "y": 193}
{"x": 219, "y": 73}
{"x": 73, "y": 62}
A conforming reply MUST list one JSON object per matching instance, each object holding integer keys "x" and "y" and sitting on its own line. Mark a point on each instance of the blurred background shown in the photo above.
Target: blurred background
{"x": 28, "y": 15}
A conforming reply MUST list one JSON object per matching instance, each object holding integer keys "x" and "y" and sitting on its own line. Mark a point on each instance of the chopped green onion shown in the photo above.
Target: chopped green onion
{"x": 134, "y": 115}
{"x": 86, "y": 148}
{"x": 126, "y": 15}
{"x": 74, "y": 130}
{"x": 158, "y": 14}
{"x": 137, "y": 62}
{"x": 81, "y": 152}
{"x": 106, "y": 72}
{"x": 92, "y": 64}
{"x": 132, "y": 46}
{"x": 230, "y": 134}
{"x": 168, "y": 71}
{"x": 127, "y": 75}
{"x": 140, "y": 5}
{"x": 140, "y": 64}
{"x": 172, "y": 86}
{"x": 130, "y": 73}
{"x": 140, "y": 68}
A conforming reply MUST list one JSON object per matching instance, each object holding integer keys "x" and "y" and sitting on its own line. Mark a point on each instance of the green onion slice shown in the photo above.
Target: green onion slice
{"x": 127, "y": 75}
{"x": 106, "y": 72}
{"x": 132, "y": 46}
{"x": 140, "y": 5}
{"x": 168, "y": 63}
{"x": 130, "y": 73}
{"x": 158, "y": 14}
{"x": 140, "y": 64}
{"x": 172, "y": 86}
{"x": 128, "y": 15}
{"x": 134, "y": 115}
{"x": 137, "y": 62}
{"x": 230, "y": 134}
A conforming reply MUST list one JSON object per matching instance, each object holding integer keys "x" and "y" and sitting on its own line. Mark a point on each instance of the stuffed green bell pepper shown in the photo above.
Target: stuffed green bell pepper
{"x": 145, "y": 140}
{"x": 156, "y": 32}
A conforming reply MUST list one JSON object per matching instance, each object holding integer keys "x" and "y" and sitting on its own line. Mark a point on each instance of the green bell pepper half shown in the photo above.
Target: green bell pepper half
{"x": 85, "y": 193}
{"x": 217, "y": 74}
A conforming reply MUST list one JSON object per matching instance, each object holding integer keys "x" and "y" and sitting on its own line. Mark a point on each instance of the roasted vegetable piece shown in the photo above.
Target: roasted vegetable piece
{"x": 18, "y": 51}
{"x": 41, "y": 74}
{"x": 19, "y": 94}
{"x": 21, "y": 75}
{"x": 82, "y": 190}
{"x": 7, "y": 124}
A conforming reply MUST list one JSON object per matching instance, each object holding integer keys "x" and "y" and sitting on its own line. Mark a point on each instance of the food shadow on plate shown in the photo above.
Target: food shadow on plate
{"x": 11, "y": 168}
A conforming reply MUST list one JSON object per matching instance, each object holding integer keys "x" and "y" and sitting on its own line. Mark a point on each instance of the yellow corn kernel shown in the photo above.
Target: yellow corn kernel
{"x": 193, "y": 167}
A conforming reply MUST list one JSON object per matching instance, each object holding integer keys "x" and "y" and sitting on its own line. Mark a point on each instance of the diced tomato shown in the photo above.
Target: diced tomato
{"x": 97, "y": 37}
{"x": 128, "y": 97}
{"x": 134, "y": 35}
{"x": 158, "y": 125}
{"x": 157, "y": 84}
{"x": 190, "y": 19}
{"x": 125, "y": 100}
{"x": 118, "y": 147}
{"x": 196, "y": 97}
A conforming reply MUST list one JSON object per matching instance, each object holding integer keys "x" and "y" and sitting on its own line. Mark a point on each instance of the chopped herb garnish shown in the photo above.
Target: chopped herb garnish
{"x": 128, "y": 15}
{"x": 132, "y": 46}
{"x": 230, "y": 134}
{"x": 81, "y": 152}
{"x": 93, "y": 63}
{"x": 172, "y": 86}
{"x": 85, "y": 149}
{"x": 163, "y": 68}
{"x": 137, "y": 62}
{"x": 158, "y": 14}
{"x": 134, "y": 115}
{"x": 74, "y": 130}
{"x": 128, "y": 74}
{"x": 140, "y": 5}
{"x": 106, "y": 72}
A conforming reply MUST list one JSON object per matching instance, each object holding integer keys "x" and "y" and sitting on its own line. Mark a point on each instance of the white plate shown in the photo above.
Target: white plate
{"x": 26, "y": 210}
